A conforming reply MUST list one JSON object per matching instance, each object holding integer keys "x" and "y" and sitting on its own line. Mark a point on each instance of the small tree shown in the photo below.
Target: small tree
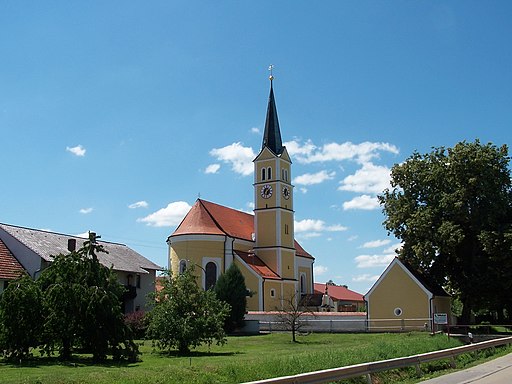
{"x": 290, "y": 315}
{"x": 231, "y": 288}
{"x": 20, "y": 318}
{"x": 184, "y": 316}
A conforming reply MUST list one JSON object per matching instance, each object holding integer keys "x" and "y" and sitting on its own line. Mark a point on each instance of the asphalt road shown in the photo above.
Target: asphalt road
{"x": 497, "y": 371}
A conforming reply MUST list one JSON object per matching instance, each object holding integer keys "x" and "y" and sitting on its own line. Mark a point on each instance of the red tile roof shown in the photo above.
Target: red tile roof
{"x": 207, "y": 218}
{"x": 10, "y": 268}
{"x": 339, "y": 292}
{"x": 258, "y": 265}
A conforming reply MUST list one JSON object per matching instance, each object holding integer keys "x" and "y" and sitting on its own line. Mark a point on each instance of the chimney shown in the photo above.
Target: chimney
{"x": 71, "y": 245}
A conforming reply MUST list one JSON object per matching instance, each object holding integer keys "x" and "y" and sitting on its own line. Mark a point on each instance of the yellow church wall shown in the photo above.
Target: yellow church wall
{"x": 193, "y": 251}
{"x": 269, "y": 258}
{"x": 308, "y": 272}
{"x": 287, "y": 229}
{"x": 397, "y": 290}
{"x": 287, "y": 264}
{"x": 266, "y": 229}
{"x": 252, "y": 284}
{"x": 272, "y": 295}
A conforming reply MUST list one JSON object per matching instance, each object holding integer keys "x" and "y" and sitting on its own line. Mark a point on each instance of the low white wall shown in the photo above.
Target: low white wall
{"x": 314, "y": 322}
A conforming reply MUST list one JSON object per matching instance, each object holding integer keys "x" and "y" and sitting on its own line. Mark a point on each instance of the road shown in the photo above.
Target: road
{"x": 497, "y": 371}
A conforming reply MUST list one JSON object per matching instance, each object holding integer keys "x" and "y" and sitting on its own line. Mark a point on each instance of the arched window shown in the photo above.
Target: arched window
{"x": 182, "y": 267}
{"x": 303, "y": 289}
{"x": 269, "y": 173}
{"x": 210, "y": 275}
{"x": 262, "y": 174}
{"x": 284, "y": 174}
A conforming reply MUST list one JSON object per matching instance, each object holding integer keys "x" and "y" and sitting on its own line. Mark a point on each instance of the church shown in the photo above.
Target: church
{"x": 212, "y": 237}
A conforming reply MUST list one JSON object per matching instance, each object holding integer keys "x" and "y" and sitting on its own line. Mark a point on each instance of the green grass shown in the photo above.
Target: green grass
{"x": 241, "y": 359}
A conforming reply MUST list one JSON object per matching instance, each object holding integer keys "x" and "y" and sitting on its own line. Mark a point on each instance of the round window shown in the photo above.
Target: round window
{"x": 397, "y": 311}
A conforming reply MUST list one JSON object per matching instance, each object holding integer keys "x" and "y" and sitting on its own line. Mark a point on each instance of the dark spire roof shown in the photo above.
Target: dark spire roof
{"x": 272, "y": 135}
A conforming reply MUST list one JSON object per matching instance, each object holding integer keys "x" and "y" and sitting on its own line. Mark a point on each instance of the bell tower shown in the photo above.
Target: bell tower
{"x": 273, "y": 198}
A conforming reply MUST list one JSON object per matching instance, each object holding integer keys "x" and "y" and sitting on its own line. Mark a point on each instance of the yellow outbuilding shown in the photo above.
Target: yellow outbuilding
{"x": 404, "y": 299}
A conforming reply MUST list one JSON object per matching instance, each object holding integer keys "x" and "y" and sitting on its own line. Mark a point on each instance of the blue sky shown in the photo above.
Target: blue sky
{"x": 115, "y": 116}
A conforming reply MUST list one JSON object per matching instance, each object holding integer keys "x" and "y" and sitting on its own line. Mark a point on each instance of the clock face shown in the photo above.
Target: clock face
{"x": 266, "y": 191}
{"x": 286, "y": 193}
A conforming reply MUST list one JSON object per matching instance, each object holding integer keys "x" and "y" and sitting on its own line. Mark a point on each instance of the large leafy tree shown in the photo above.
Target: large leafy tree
{"x": 185, "y": 316}
{"x": 82, "y": 306}
{"x": 231, "y": 288}
{"x": 452, "y": 210}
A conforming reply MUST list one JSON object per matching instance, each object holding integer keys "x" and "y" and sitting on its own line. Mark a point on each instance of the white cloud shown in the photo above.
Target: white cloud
{"x": 308, "y": 225}
{"x": 86, "y": 211}
{"x": 168, "y": 216}
{"x": 255, "y": 130}
{"x": 308, "y": 228}
{"x": 361, "y": 153}
{"x": 364, "y": 202}
{"x": 370, "y": 261}
{"x": 376, "y": 243}
{"x": 78, "y": 150}
{"x": 296, "y": 149}
{"x": 370, "y": 178}
{"x": 212, "y": 168}
{"x": 314, "y": 178}
{"x": 239, "y": 157}
{"x": 319, "y": 270}
{"x": 138, "y": 204}
{"x": 303, "y": 190}
{"x": 365, "y": 278}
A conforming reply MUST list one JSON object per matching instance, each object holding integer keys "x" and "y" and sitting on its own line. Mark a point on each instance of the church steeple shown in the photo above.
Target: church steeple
{"x": 272, "y": 135}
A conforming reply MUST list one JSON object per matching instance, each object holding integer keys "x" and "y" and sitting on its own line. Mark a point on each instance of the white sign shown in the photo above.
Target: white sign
{"x": 440, "y": 318}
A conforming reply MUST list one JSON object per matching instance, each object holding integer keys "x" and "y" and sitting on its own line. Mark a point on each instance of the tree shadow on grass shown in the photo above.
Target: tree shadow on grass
{"x": 75, "y": 362}
{"x": 195, "y": 354}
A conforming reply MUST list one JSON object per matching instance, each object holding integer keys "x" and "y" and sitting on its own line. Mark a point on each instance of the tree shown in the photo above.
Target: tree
{"x": 452, "y": 210}
{"x": 20, "y": 318}
{"x": 82, "y": 306}
{"x": 291, "y": 313}
{"x": 231, "y": 288}
{"x": 184, "y": 316}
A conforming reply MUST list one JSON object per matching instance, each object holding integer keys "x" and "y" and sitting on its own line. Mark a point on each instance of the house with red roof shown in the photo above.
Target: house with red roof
{"x": 10, "y": 268}
{"x": 341, "y": 299}
{"x": 212, "y": 237}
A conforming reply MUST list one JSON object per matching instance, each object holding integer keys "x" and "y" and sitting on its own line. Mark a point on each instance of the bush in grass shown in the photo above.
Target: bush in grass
{"x": 138, "y": 323}
{"x": 184, "y": 316}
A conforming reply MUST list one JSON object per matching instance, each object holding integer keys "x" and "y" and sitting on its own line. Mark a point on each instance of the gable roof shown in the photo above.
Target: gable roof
{"x": 425, "y": 283}
{"x": 207, "y": 218}
{"x": 257, "y": 265}
{"x": 48, "y": 244}
{"x": 340, "y": 293}
{"x": 10, "y": 268}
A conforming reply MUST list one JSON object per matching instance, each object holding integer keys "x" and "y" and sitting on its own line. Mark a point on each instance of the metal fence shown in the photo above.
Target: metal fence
{"x": 367, "y": 369}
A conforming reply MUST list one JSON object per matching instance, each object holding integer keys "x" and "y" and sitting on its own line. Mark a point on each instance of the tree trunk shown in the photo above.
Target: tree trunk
{"x": 466, "y": 313}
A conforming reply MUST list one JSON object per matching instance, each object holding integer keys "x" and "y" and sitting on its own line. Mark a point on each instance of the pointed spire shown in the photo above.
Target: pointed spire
{"x": 272, "y": 135}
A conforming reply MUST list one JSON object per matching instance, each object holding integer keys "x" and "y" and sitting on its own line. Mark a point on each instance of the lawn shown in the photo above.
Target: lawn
{"x": 241, "y": 359}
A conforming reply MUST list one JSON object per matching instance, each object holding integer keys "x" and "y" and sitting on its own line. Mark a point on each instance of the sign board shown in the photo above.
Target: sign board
{"x": 440, "y": 318}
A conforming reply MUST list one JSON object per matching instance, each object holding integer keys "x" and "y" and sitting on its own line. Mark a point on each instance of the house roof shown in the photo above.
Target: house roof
{"x": 257, "y": 265}
{"x": 339, "y": 292}
{"x": 48, "y": 244}
{"x": 10, "y": 268}
{"x": 207, "y": 218}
